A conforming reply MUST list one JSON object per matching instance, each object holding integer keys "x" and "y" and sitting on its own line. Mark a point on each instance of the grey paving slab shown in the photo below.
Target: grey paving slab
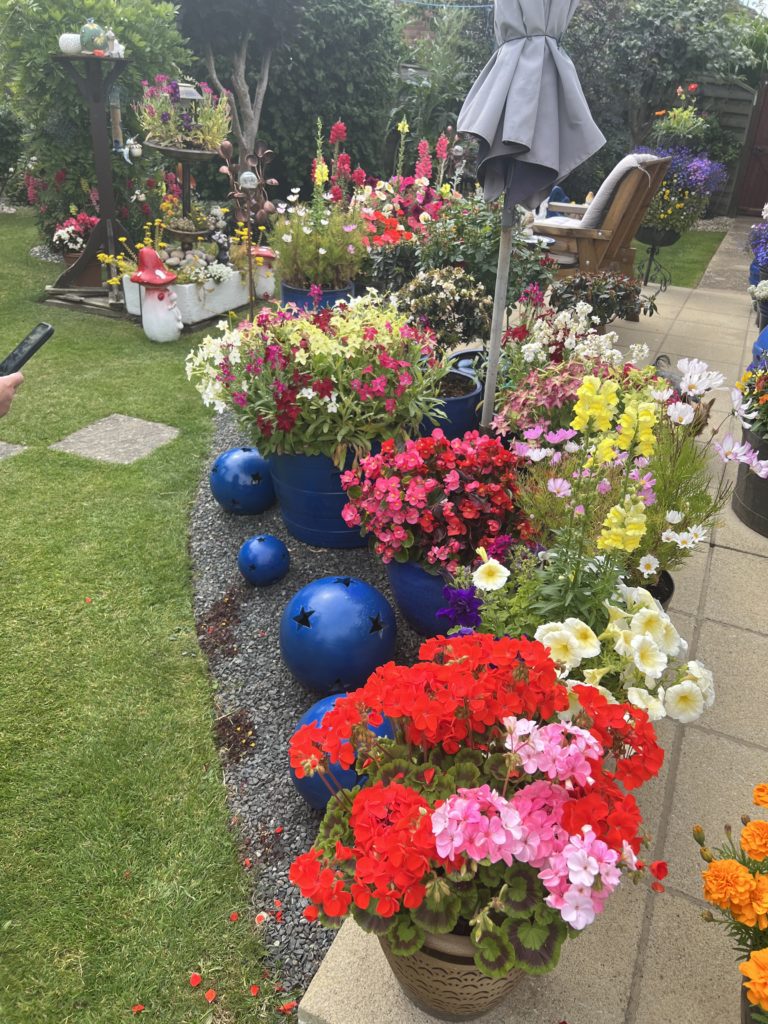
{"x": 7, "y": 449}
{"x": 689, "y": 973}
{"x": 712, "y": 787}
{"x": 736, "y": 591}
{"x": 732, "y": 533}
{"x": 118, "y": 439}
{"x": 729, "y": 267}
{"x": 739, "y": 661}
{"x": 689, "y": 583}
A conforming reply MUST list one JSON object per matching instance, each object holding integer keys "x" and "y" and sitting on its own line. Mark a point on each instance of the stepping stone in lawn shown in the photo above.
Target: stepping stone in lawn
{"x": 7, "y": 450}
{"x": 117, "y": 438}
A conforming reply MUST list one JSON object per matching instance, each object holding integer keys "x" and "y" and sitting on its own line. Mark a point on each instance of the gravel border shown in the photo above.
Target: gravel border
{"x": 250, "y": 675}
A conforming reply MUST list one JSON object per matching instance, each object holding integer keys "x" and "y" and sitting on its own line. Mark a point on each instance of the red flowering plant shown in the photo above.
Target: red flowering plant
{"x": 323, "y": 382}
{"x": 73, "y": 233}
{"x": 498, "y": 810}
{"x": 436, "y": 501}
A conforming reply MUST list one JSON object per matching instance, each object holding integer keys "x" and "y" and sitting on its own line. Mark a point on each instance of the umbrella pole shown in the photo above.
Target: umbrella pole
{"x": 499, "y": 309}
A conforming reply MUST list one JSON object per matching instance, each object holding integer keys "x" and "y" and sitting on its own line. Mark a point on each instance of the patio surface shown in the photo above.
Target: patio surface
{"x": 650, "y": 959}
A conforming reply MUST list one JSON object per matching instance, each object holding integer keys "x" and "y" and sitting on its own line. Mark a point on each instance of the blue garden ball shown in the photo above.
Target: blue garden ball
{"x": 241, "y": 482}
{"x": 335, "y": 632}
{"x": 312, "y": 787}
{"x": 263, "y": 560}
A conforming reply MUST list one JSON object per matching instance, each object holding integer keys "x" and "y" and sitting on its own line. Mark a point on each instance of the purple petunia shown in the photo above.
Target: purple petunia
{"x": 463, "y": 607}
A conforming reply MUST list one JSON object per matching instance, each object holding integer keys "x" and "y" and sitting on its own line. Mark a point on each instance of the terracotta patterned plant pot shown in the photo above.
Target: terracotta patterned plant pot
{"x": 442, "y": 978}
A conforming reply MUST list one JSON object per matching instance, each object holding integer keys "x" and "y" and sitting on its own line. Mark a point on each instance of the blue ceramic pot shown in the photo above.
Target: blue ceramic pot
{"x": 760, "y": 347}
{"x": 419, "y": 596}
{"x": 263, "y": 560}
{"x": 312, "y": 788}
{"x": 241, "y": 482}
{"x": 334, "y": 632}
{"x": 468, "y": 360}
{"x": 462, "y": 411}
{"x": 301, "y": 297}
{"x": 311, "y": 499}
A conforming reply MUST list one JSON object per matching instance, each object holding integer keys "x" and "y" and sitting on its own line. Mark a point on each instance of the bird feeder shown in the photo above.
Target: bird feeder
{"x": 160, "y": 317}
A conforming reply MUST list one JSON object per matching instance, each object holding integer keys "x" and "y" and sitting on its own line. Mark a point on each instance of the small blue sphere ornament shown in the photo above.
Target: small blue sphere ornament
{"x": 263, "y": 560}
{"x": 241, "y": 482}
{"x": 335, "y": 632}
{"x": 312, "y": 788}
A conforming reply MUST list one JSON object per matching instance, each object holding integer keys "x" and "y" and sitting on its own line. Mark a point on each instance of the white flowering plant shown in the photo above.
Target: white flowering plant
{"x": 318, "y": 245}
{"x": 323, "y": 382}
{"x": 759, "y": 292}
{"x": 639, "y": 658}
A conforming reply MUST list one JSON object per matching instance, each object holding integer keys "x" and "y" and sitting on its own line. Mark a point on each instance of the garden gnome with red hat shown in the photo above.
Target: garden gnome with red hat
{"x": 160, "y": 317}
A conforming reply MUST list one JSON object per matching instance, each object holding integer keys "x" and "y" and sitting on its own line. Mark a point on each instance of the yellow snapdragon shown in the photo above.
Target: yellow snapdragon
{"x": 321, "y": 172}
{"x": 624, "y": 526}
{"x": 596, "y": 404}
{"x": 637, "y": 423}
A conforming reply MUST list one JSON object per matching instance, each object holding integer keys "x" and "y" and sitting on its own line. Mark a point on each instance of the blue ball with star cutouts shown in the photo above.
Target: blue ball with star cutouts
{"x": 334, "y": 632}
{"x": 263, "y": 559}
{"x": 241, "y": 482}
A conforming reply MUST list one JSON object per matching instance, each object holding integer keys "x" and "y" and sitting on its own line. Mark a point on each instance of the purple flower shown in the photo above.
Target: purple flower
{"x": 463, "y": 607}
{"x": 559, "y": 487}
{"x": 604, "y": 486}
{"x": 533, "y": 433}
{"x": 556, "y": 436}
{"x": 499, "y": 547}
{"x": 165, "y": 117}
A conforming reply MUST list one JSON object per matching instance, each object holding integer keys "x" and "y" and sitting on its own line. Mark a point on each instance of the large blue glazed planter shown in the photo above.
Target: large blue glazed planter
{"x": 300, "y": 296}
{"x": 241, "y": 482}
{"x": 419, "y": 596}
{"x": 462, "y": 411}
{"x": 311, "y": 499}
{"x": 761, "y": 345}
{"x": 312, "y": 788}
{"x": 334, "y": 632}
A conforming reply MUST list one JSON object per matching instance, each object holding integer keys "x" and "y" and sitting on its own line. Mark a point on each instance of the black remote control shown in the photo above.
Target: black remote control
{"x": 24, "y": 351}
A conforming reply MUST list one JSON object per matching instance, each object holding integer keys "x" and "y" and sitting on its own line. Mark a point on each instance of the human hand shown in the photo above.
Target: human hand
{"x": 8, "y": 386}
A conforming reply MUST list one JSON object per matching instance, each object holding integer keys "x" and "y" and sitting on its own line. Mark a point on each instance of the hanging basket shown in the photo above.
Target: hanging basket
{"x": 183, "y": 154}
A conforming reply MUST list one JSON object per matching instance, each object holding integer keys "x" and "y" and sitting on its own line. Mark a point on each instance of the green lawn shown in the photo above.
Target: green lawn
{"x": 687, "y": 259}
{"x": 117, "y": 871}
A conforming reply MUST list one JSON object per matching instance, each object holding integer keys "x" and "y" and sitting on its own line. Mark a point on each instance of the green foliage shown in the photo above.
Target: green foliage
{"x": 467, "y": 233}
{"x": 10, "y": 146}
{"x": 439, "y": 73}
{"x": 387, "y": 268}
{"x": 404, "y": 936}
{"x": 630, "y": 56}
{"x": 439, "y": 913}
{"x": 611, "y": 296}
{"x": 341, "y": 63}
{"x": 536, "y": 942}
{"x": 456, "y": 307}
{"x": 494, "y": 954}
{"x": 224, "y": 24}
{"x": 56, "y": 124}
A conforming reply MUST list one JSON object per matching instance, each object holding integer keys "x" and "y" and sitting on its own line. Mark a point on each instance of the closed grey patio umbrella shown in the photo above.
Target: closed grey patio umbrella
{"x": 528, "y": 111}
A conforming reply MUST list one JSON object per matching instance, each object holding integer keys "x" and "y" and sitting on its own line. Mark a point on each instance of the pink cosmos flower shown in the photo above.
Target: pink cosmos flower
{"x": 559, "y": 487}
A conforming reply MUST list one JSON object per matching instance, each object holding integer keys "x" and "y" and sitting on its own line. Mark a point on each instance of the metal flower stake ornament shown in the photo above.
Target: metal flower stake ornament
{"x": 248, "y": 190}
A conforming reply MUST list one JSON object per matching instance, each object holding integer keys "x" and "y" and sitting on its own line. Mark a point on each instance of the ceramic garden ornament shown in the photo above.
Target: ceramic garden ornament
{"x": 160, "y": 317}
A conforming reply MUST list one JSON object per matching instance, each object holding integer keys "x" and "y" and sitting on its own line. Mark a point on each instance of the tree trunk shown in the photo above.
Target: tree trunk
{"x": 246, "y": 109}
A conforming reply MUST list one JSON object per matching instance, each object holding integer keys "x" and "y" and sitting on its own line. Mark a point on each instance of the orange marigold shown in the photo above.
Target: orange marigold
{"x": 727, "y": 884}
{"x": 756, "y": 971}
{"x": 755, "y": 911}
{"x": 760, "y": 794}
{"x": 754, "y": 839}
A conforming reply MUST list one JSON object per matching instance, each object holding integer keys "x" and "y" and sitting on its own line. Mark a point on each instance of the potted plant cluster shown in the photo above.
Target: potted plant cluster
{"x": 176, "y": 119}
{"x": 458, "y": 310}
{"x": 612, "y": 296}
{"x": 736, "y": 885}
{"x": 427, "y": 508}
{"x": 490, "y": 830}
{"x": 750, "y": 496}
{"x": 71, "y": 237}
{"x": 318, "y": 389}
{"x": 320, "y": 246}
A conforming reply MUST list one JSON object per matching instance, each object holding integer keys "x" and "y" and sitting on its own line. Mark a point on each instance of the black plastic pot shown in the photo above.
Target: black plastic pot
{"x": 663, "y": 590}
{"x": 750, "y": 496}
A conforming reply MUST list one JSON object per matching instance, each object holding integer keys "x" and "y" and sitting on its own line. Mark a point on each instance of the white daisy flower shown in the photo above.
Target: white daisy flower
{"x": 648, "y": 565}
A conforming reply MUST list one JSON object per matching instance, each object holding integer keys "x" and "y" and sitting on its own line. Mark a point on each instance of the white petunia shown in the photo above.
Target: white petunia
{"x": 648, "y": 565}
{"x": 491, "y": 575}
{"x": 684, "y": 702}
{"x": 649, "y": 622}
{"x": 680, "y": 413}
{"x": 588, "y": 643}
{"x": 647, "y": 657}
{"x": 562, "y": 644}
{"x": 696, "y": 673}
{"x": 653, "y": 703}
{"x": 674, "y": 517}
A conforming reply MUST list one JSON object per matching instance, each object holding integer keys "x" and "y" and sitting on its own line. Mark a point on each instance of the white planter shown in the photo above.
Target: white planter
{"x": 195, "y": 302}
{"x": 69, "y": 43}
